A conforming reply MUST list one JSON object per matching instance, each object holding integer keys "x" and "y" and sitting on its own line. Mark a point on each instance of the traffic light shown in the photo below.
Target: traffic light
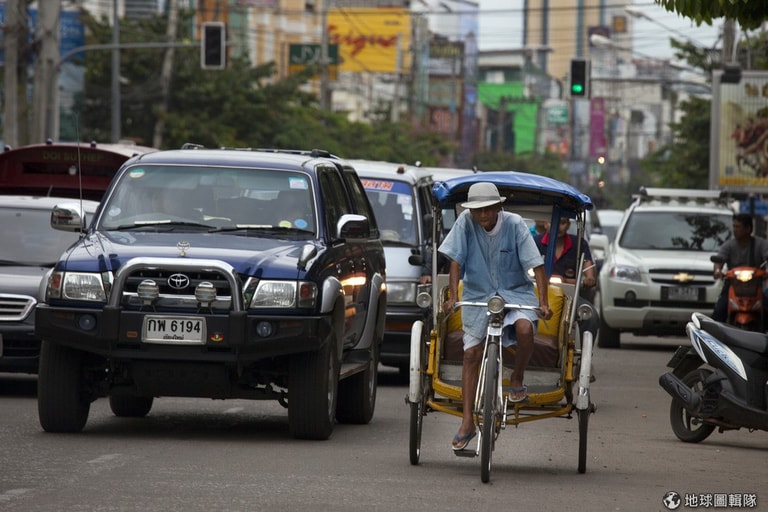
{"x": 579, "y": 78}
{"x": 213, "y": 46}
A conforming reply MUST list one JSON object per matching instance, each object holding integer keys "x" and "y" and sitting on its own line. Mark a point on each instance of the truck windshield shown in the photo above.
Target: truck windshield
{"x": 210, "y": 197}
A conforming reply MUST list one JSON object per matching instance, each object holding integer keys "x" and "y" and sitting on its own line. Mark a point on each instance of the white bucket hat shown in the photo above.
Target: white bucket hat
{"x": 481, "y": 195}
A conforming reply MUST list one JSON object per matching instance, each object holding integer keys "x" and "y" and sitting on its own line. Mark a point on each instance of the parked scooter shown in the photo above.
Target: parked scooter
{"x": 721, "y": 381}
{"x": 745, "y": 296}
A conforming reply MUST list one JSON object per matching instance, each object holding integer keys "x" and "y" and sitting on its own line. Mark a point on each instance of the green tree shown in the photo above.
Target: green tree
{"x": 240, "y": 106}
{"x": 685, "y": 162}
{"x": 549, "y": 164}
{"x": 749, "y": 13}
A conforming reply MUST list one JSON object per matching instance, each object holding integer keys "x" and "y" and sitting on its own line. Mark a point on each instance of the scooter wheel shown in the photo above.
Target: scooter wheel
{"x": 688, "y": 426}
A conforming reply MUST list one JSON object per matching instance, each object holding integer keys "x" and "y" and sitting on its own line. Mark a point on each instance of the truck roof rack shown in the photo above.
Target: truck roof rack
{"x": 680, "y": 196}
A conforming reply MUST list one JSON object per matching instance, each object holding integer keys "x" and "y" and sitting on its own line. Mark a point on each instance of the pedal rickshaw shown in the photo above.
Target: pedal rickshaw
{"x": 558, "y": 376}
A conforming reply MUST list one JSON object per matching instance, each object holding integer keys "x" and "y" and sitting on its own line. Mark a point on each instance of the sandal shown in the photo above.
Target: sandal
{"x": 461, "y": 442}
{"x": 516, "y": 395}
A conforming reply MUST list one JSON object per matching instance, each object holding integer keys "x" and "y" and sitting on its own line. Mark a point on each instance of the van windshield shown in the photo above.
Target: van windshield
{"x": 392, "y": 203}
{"x": 671, "y": 231}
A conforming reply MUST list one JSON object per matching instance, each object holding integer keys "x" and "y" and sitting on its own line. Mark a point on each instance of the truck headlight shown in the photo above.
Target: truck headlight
{"x": 401, "y": 293}
{"x": 284, "y": 294}
{"x": 86, "y": 286}
{"x": 626, "y": 273}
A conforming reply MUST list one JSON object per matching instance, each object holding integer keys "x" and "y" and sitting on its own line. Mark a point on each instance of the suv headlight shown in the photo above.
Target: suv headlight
{"x": 401, "y": 293}
{"x": 284, "y": 294}
{"x": 626, "y": 273}
{"x": 87, "y": 286}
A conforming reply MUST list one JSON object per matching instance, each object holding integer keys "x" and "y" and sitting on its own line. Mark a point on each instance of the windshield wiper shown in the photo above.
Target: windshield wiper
{"x": 154, "y": 224}
{"x": 265, "y": 228}
{"x": 398, "y": 243}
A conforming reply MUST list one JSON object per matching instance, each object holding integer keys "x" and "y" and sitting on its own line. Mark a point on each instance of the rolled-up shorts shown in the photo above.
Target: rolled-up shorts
{"x": 508, "y": 338}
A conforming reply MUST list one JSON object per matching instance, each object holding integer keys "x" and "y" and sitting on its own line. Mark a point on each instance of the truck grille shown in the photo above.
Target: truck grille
{"x": 14, "y": 308}
{"x": 163, "y": 279}
{"x": 177, "y": 280}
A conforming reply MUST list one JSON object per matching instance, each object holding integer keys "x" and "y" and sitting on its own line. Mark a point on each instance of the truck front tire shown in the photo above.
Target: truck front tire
{"x": 61, "y": 403}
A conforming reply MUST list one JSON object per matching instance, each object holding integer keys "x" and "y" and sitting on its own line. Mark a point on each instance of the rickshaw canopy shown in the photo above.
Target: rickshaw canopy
{"x": 531, "y": 195}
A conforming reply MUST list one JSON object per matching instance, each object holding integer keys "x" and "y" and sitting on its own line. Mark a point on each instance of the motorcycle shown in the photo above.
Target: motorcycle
{"x": 720, "y": 381}
{"x": 745, "y": 296}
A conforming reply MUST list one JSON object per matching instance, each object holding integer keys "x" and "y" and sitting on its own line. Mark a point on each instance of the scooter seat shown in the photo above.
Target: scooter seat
{"x": 748, "y": 340}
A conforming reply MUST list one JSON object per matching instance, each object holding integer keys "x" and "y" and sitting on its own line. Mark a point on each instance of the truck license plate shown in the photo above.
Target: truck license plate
{"x": 686, "y": 293}
{"x": 174, "y": 330}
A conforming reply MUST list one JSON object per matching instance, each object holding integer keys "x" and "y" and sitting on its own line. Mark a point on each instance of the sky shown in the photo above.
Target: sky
{"x": 501, "y": 27}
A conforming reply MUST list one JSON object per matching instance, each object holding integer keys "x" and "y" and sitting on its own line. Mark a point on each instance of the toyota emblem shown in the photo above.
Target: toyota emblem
{"x": 178, "y": 281}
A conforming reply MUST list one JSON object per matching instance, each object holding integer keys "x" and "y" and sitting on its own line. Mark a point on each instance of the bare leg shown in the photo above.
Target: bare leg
{"x": 524, "y": 334}
{"x": 469, "y": 375}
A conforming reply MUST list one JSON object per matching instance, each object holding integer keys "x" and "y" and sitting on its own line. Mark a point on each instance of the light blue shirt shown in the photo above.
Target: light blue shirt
{"x": 493, "y": 263}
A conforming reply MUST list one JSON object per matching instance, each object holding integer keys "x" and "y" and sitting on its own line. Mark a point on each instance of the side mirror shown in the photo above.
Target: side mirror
{"x": 353, "y": 227}
{"x": 416, "y": 259}
{"x": 68, "y": 217}
{"x": 598, "y": 242}
{"x": 716, "y": 259}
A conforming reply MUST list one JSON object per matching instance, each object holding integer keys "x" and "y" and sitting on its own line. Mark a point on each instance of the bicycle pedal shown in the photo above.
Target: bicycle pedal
{"x": 465, "y": 453}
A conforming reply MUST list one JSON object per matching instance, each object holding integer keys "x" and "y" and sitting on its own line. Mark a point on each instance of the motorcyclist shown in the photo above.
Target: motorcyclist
{"x": 743, "y": 249}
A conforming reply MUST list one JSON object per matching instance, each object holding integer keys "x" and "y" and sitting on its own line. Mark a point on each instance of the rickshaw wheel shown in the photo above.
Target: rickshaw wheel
{"x": 583, "y": 427}
{"x": 417, "y": 421}
{"x": 420, "y": 380}
{"x": 490, "y": 399}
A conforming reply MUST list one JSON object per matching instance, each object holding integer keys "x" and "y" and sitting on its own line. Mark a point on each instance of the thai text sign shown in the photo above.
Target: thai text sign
{"x": 371, "y": 40}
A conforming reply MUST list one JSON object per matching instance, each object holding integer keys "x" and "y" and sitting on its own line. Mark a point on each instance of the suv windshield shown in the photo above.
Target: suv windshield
{"x": 676, "y": 231}
{"x": 210, "y": 198}
{"x": 33, "y": 241}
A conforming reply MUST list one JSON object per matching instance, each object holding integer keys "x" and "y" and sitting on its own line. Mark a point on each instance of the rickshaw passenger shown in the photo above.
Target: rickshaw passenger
{"x": 495, "y": 249}
{"x": 566, "y": 264}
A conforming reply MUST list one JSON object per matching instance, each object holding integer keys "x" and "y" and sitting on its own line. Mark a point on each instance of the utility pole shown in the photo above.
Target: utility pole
{"x": 729, "y": 42}
{"x": 116, "y": 115}
{"x": 165, "y": 74}
{"x": 501, "y": 119}
{"x": 324, "y": 89}
{"x": 45, "y": 104}
{"x": 11, "y": 77}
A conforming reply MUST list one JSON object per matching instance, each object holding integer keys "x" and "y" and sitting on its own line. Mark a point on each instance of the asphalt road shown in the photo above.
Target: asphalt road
{"x": 203, "y": 455}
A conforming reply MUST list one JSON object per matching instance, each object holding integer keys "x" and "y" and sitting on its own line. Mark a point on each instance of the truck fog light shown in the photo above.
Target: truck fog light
{"x": 630, "y": 296}
{"x": 264, "y": 329}
{"x": 148, "y": 291}
{"x": 86, "y": 322}
{"x": 205, "y": 293}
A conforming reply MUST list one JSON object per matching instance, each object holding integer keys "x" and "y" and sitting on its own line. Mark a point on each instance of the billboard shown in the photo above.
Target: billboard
{"x": 739, "y": 136}
{"x": 376, "y": 40}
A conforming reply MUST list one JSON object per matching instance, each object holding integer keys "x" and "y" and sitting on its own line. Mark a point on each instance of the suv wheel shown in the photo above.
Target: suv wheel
{"x": 608, "y": 337}
{"x": 313, "y": 385}
{"x": 357, "y": 394}
{"x": 61, "y": 404}
{"x": 130, "y": 406}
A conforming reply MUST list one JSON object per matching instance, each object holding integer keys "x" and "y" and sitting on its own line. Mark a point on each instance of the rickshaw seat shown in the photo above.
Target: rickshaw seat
{"x": 547, "y": 339}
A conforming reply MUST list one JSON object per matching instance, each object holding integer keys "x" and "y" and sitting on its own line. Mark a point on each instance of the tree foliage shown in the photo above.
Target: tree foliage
{"x": 750, "y": 14}
{"x": 240, "y": 106}
{"x": 684, "y": 163}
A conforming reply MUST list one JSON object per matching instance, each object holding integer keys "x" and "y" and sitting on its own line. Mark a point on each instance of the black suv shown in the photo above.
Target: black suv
{"x": 224, "y": 273}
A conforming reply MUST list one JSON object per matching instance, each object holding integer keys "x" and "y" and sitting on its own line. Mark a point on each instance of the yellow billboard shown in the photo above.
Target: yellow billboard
{"x": 371, "y": 39}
